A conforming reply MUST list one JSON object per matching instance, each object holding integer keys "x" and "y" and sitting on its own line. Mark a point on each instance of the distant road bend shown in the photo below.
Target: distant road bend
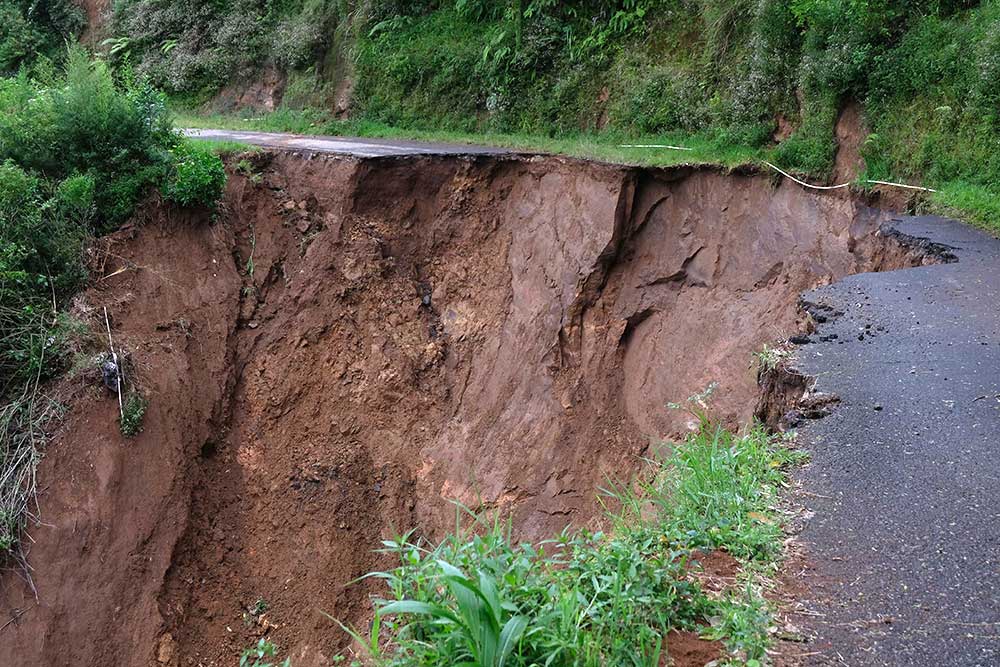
{"x": 342, "y": 145}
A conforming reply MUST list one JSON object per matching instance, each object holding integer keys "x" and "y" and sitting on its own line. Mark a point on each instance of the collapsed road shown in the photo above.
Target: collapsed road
{"x": 282, "y": 394}
{"x": 903, "y": 487}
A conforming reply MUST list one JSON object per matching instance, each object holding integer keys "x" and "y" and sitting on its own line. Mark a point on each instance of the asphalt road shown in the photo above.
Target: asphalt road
{"x": 904, "y": 481}
{"x": 343, "y": 145}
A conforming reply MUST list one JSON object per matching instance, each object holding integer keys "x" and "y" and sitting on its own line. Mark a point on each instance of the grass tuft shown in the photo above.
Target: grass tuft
{"x": 133, "y": 411}
{"x": 22, "y": 437}
{"x": 769, "y": 358}
{"x": 597, "y": 598}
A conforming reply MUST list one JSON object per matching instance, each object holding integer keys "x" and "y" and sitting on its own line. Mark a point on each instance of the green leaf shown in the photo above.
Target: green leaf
{"x": 416, "y": 607}
{"x": 509, "y": 637}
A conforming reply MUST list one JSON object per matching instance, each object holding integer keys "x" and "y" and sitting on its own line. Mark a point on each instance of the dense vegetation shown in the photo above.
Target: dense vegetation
{"x": 187, "y": 45}
{"x": 30, "y": 29}
{"x": 925, "y": 71}
{"x": 78, "y": 152}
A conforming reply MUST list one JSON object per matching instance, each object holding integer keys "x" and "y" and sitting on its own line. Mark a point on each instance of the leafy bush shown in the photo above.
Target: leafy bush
{"x": 42, "y": 231}
{"x": 83, "y": 123}
{"x": 196, "y": 178}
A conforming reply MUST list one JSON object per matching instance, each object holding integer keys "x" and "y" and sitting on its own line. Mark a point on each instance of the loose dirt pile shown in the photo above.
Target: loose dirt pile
{"x": 355, "y": 343}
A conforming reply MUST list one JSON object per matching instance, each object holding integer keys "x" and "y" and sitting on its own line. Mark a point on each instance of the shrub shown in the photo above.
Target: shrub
{"x": 133, "y": 411}
{"x": 41, "y": 241}
{"x": 83, "y": 123}
{"x": 197, "y": 176}
{"x": 32, "y": 29}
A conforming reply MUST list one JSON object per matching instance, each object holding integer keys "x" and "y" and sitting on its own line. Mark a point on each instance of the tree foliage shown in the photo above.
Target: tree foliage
{"x": 33, "y": 28}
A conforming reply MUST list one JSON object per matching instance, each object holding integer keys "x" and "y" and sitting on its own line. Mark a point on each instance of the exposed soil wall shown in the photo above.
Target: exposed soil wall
{"x": 355, "y": 343}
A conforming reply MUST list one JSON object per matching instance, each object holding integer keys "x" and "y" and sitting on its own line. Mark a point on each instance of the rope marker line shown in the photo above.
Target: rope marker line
{"x": 803, "y": 183}
{"x": 787, "y": 175}
{"x": 114, "y": 359}
{"x": 675, "y": 148}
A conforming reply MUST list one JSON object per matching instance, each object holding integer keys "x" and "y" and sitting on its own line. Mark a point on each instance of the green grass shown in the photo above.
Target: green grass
{"x": 768, "y": 358}
{"x": 976, "y": 204}
{"x": 225, "y": 148}
{"x": 598, "y": 598}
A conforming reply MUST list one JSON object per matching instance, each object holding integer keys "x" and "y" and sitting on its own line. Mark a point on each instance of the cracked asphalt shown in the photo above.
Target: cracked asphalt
{"x": 904, "y": 481}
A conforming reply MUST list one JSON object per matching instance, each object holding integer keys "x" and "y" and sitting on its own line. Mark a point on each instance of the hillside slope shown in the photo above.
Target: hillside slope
{"x": 759, "y": 73}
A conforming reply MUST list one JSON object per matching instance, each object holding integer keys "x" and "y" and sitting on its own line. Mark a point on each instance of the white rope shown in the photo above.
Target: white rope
{"x": 787, "y": 175}
{"x": 675, "y": 148}
{"x": 844, "y": 185}
{"x": 114, "y": 359}
{"x": 902, "y": 185}
{"x": 803, "y": 183}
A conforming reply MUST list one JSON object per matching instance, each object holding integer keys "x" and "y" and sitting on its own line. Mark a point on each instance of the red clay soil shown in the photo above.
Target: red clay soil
{"x": 716, "y": 570}
{"x": 850, "y": 132}
{"x": 687, "y": 649}
{"x": 355, "y": 343}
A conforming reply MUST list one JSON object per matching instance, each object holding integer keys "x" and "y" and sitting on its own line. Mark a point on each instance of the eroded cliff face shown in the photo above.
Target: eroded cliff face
{"x": 354, "y": 344}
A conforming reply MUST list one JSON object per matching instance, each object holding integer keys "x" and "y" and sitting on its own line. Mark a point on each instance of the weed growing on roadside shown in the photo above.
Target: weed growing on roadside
{"x": 769, "y": 358}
